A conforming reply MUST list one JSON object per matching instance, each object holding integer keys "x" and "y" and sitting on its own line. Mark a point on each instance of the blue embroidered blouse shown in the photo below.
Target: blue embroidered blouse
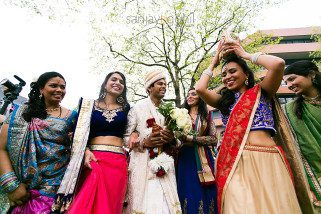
{"x": 263, "y": 117}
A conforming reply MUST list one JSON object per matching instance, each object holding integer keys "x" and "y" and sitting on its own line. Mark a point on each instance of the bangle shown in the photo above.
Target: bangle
{"x": 9, "y": 182}
{"x": 208, "y": 72}
{"x": 255, "y": 56}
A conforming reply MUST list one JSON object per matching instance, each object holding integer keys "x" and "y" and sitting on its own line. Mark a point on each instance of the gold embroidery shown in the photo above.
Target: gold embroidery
{"x": 107, "y": 148}
{"x": 185, "y": 206}
{"x": 109, "y": 114}
{"x": 212, "y": 207}
{"x": 271, "y": 149}
{"x": 201, "y": 208}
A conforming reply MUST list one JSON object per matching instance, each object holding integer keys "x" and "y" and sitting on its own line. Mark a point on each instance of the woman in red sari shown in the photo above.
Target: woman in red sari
{"x": 251, "y": 173}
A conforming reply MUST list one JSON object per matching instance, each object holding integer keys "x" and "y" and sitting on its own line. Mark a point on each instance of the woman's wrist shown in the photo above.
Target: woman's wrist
{"x": 9, "y": 182}
{"x": 254, "y": 57}
{"x": 247, "y": 56}
{"x": 189, "y": 138}
{"x": 194, "y": 139}
{"x": 145, "y": 143}
{"x": 208, "y": 72}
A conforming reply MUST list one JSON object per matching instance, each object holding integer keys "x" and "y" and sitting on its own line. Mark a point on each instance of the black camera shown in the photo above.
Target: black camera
{"x": 11, "y": 91}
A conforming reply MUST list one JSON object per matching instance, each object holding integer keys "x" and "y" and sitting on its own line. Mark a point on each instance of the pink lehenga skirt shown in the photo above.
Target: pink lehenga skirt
{"x": 102, "y": 188}
{"x": 38, "y": 204}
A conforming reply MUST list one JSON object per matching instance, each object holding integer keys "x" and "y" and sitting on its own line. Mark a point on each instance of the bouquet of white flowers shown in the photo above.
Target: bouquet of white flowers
{"x": 176, "y": 119}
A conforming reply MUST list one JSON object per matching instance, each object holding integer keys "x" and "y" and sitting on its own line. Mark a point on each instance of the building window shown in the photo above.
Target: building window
{"x": 290, "y": 41}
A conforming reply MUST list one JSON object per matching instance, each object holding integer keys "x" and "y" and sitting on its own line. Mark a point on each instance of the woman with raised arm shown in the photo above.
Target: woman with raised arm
{"x": 98, "y": 139}
{"x": 304, "y": 114}
{"x": 35, "y": 144}
{"x": 251, "y": 172}
{"x": 195, "y": 161}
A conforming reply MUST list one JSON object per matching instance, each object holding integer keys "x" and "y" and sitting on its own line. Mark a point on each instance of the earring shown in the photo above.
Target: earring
{"x": 314, "y": 80}
{"x": 40, "y": 95}
{"x": 120, "y": 99}
{"x": 104, "y": 94}
{"x": 246, "y": 81}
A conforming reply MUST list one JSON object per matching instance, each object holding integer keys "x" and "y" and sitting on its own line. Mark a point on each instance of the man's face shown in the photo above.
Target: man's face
{"x": 158, "y": 89}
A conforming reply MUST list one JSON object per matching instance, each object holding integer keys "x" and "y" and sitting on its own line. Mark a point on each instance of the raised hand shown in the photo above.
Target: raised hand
{"x": 218, "y": 55}
{"x": 236, "y": 47}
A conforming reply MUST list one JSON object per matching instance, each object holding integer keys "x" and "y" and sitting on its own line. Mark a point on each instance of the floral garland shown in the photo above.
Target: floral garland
{"x": 161, "y": 164}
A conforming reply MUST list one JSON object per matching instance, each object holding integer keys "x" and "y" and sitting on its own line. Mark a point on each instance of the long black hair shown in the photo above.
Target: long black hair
{"x": 36, "y": 106}
{"x": 228, "y": 97}
{"x": 304, "y": 68}
{"x": 102, "y": 92}
{"x": 202, "y": 107}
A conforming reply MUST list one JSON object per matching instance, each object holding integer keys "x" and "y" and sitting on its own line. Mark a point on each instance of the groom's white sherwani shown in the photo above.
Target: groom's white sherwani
{"x": 148, "y": 193}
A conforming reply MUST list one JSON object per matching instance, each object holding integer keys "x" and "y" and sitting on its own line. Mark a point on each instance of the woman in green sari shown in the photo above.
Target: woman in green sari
{"x": 304, "y": 114}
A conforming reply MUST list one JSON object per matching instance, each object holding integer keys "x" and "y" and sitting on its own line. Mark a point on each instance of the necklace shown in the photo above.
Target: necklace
{"x": 53, "y": 109}
{"x": 108, "y": 114}
{"x": 50, "y": 110}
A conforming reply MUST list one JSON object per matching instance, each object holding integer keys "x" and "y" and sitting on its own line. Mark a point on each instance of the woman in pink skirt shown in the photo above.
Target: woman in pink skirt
{"x": 99, "y": 141}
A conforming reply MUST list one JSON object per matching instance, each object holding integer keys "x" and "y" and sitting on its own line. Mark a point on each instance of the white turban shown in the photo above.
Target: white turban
{"x": 152, "y": 77}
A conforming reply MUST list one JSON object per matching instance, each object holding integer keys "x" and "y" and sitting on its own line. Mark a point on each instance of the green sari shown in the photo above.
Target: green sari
{"x": 308, "y": 134}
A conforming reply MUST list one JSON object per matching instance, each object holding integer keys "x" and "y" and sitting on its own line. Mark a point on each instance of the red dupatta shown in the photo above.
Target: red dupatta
{"x": 234, "y": 139}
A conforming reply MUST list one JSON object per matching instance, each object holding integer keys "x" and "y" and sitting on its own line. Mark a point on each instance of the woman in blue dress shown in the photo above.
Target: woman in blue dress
{"x": 195, "y": 163}
{"x": 35, "y": 146}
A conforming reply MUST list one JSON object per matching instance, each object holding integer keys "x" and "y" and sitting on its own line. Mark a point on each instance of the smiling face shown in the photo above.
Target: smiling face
{"x": 192, "y": 98}
{"x": 54, "y": 90}
{"x": 158, "y": 89}
{"x": 300, "y": 85}
{"x": 234, "y": 77}
{"x": 115, "y": 85}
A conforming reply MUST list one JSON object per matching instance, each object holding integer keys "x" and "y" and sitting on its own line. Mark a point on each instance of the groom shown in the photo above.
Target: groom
{"x": 151, "y": 191}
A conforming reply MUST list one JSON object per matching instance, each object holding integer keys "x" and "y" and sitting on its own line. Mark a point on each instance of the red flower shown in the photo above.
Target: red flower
{"x": 161, "y": 172}
{"x": 152, "y": 154}
{"x": 150, "y": 122}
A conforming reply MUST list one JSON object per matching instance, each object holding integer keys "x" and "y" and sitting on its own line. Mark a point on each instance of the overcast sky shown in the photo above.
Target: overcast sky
{"x": 30, "y": 46}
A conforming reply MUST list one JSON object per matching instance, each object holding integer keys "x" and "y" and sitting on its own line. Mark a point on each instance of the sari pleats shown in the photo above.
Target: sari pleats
{"x": 261, "y": 184}
{"x": 104, "y": 187}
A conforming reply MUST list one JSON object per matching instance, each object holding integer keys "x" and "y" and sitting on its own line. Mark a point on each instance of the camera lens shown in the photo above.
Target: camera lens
{"x": 8, "y": 84}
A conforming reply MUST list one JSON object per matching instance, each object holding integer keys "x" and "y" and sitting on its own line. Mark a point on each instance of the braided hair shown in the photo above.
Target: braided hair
{"x": 304, "y": 68}
{"x": 102, "y": 92}
{"x": 228, "y": 97}
{"x": 36, "y": 106}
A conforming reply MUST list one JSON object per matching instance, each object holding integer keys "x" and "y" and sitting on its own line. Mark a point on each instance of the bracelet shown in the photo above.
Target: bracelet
{"x": 208, "y": 72}
{"x": 255, "y": 56}
{"x": 9, "y": 182}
